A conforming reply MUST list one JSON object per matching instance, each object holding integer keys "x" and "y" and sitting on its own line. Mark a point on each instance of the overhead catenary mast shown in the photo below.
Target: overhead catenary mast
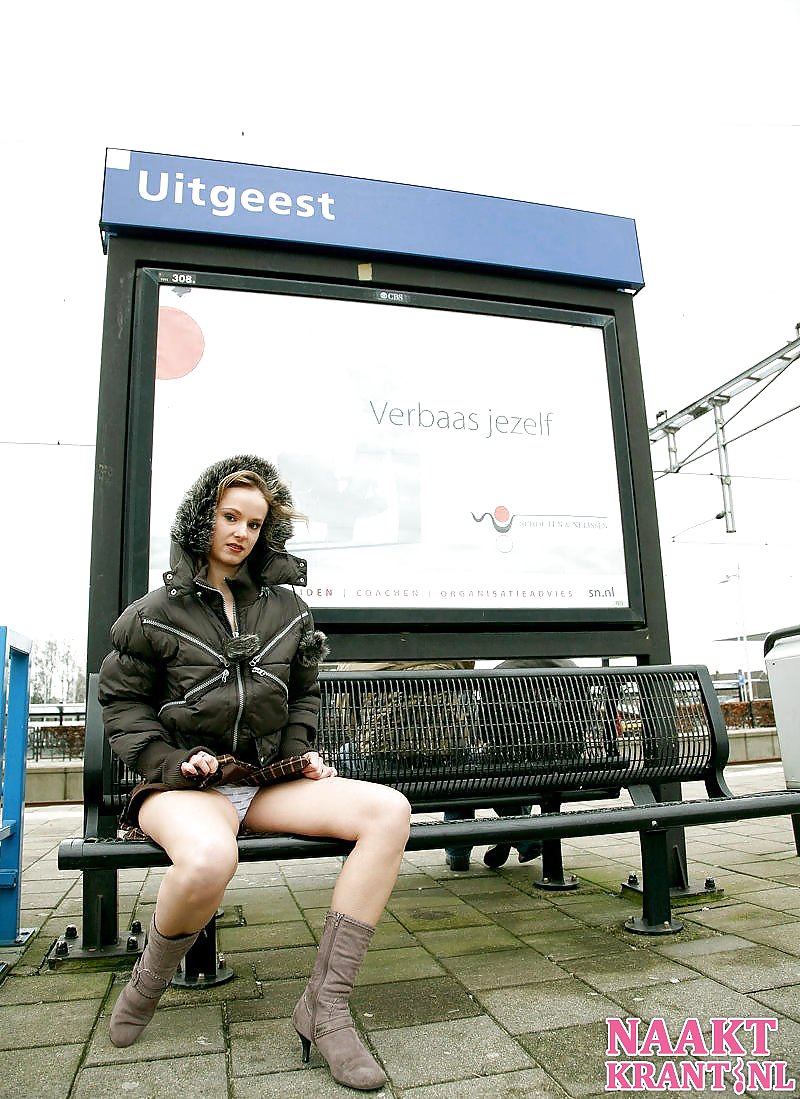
{"x": 667, "y": 427}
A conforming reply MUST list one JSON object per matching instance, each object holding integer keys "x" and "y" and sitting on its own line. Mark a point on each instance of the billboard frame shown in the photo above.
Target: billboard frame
{"x": 124, "y": 445}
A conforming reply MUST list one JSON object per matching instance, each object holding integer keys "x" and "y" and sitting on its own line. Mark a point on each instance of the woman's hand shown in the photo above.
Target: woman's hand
{"x": 199, "y": 765}
{"x": 317, "y": 768}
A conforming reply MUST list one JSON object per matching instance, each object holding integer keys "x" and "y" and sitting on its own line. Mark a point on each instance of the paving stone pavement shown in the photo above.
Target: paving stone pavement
{"x": 477, "y": 986}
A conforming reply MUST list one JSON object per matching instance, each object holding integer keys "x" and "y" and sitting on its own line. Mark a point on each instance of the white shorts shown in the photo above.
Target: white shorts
{"x": 239, "y": 797}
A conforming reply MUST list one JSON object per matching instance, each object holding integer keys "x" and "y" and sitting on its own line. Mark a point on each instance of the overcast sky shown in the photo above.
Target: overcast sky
{"x": 684, "y": 116}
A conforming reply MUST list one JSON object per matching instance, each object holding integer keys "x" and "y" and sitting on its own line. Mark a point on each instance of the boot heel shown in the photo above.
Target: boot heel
{"x": 305, "y": 1045}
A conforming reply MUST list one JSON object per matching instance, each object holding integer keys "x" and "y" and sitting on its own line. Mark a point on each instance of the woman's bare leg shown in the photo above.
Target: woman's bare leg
{"x": 198, "y": 831}
{"x": 375, "y": 817}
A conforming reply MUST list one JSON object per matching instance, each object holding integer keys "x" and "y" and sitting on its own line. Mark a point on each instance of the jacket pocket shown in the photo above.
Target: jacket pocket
{"x": 270, "y": 697}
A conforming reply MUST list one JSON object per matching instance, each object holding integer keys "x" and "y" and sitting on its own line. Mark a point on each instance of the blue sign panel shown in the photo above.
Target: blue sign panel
{"x": 183, "y": 194}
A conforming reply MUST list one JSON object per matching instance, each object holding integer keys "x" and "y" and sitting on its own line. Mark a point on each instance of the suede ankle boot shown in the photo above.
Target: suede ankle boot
{"x": 153, "y": 971}
{"x": 322, "y": 1015}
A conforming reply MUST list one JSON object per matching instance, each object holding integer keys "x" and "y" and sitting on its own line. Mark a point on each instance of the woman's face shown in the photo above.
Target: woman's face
{"x": 240, "y": 516}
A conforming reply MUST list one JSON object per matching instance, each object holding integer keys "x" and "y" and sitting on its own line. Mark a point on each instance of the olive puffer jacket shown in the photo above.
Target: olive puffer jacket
{"x": 179, "y": 678}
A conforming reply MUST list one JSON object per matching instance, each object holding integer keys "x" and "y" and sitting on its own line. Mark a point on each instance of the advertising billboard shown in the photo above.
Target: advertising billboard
{"x": 456, "y": 460}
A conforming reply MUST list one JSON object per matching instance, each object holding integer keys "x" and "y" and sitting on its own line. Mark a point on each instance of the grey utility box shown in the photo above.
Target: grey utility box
{"x": 782, "y": 658}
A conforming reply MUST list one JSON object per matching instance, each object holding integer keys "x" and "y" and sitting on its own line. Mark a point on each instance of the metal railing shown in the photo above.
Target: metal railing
{"x": 15, "y": 652}
{"x": 56, "y": 731}
{"x": 58, "y": 743}
{"x": 57, "y": 713}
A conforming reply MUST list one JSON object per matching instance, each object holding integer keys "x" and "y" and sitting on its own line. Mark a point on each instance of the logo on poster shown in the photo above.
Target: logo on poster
{"x": 501, "y": 518}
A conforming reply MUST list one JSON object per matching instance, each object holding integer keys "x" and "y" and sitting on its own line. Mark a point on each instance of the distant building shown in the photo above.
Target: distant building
{"x": 729, "y": 686}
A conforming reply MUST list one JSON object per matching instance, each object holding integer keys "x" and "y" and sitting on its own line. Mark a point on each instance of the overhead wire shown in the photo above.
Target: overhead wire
{"x": 25, "y": 442}
{"x": 736, "y": 476}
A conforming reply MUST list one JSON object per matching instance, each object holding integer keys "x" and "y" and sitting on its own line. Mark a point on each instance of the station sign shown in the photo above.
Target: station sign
{"x": 176, "y": 194}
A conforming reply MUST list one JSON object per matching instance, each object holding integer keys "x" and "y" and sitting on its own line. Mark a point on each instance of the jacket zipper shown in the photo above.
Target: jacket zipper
{"x": 239, "y": 686}
{"x": 239, "y": 680}
{"x": 187, "y": 637}
{"x": 336, "y": 919}
{"x": 274, "y": 641}
{"x": 221, "y": 677}
{"x": 269, "y": 675}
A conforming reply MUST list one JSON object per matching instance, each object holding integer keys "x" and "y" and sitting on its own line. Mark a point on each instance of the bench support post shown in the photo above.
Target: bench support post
{"x": 100, "y": 937}
{"x": 681, "y": 890}
{"x": 672, "y": 791}
{"x": 100, "y": 898}
{"x": 203, "y": 966}
{"x": 552, "y": 862}
{"x": 553, "y": 869}
{"x": 656, "y": 918}
{"x": 796, "y": 830}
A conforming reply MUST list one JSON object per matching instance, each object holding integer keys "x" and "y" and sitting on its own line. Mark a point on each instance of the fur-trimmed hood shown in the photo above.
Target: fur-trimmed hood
{"x": 268, "y": 562}
{"x": 194, "y": 519}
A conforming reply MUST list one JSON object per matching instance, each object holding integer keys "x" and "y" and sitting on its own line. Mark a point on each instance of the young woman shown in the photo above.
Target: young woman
{"x": 224, "y": 660}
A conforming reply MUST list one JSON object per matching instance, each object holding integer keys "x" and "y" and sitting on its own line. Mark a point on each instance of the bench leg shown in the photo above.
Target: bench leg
{"x": 681, "y": 890}
{"x": 671, "y": 791}
{"x": 553, "y": 868}
{"x": 656, "y": 918}
{"x": 100, "y": 925}
{"x": 552, "y": 862}
{"x": 203, "y": 966}
{"x": 796, "y": 829}
{"x": 100, "y": 919}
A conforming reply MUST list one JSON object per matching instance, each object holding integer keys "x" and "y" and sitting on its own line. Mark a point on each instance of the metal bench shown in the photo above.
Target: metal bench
{"x": 470, "y": 739}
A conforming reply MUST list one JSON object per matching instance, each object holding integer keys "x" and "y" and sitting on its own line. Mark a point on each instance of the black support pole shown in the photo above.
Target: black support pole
{"x": 552, "y": 860}
{"x": 656, "y": 918}
{"x": 100, "y": 922}
{"x": 203, "y": 966}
